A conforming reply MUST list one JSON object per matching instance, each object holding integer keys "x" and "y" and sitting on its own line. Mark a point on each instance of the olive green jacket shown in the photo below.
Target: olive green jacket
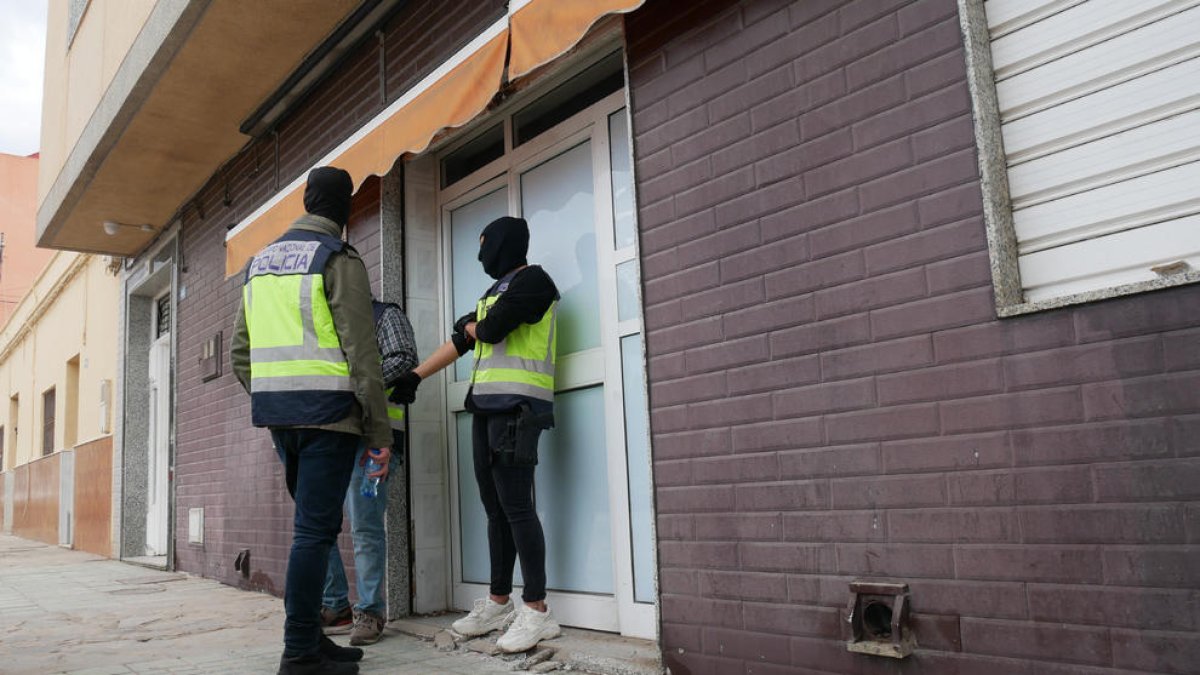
{"x": 348, "y": 291}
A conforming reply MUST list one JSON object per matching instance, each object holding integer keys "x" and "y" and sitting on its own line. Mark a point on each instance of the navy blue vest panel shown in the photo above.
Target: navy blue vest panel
{"x": 299, "y": 408}
{"x": 378, "y": 306}
{"x": 499, "y": 403}
{"x": 296, "y": 252}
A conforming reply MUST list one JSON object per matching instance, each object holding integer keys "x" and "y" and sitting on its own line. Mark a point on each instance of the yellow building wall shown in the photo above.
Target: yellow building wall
{"x": 72, "y": 311}
{"x": 78, "y": 74}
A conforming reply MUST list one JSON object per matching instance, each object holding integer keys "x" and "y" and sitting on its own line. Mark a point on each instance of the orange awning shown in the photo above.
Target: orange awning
{"x": 544, "y": 30}
{"x": 407, "y": 127}
{"x": 539, "y": 32}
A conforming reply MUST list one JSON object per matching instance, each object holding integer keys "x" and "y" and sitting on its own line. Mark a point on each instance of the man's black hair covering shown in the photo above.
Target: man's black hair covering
{"x": 505, "y": 245}
{"x": 328, "y": 194}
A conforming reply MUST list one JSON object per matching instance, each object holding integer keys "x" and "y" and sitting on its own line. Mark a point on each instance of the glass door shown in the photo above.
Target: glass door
{"x": 574, "y": 186}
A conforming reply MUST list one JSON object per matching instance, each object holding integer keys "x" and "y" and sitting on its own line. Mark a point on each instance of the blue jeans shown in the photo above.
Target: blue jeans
{"x": 318, "y": 464}
{"x": 367, "y": 517}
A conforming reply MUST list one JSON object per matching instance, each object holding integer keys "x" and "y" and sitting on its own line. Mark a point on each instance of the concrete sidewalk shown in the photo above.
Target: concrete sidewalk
{"x": 65, "y": 611}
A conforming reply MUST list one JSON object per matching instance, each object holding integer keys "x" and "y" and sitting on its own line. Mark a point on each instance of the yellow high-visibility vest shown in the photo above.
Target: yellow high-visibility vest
{"x": 395, "y": 412}
{"x": 519, "y": 367}
{"x": 299, "y": 374}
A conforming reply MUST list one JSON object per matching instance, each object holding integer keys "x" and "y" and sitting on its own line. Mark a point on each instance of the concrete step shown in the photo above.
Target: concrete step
{"x": 576, "y": 650}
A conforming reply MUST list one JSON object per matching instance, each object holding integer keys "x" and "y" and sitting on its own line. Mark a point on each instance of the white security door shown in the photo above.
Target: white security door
{"x": 592, "y": 483}
{"x": 158, "y": 446}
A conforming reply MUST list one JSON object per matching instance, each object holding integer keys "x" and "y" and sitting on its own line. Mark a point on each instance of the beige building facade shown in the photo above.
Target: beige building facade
{"x": 127, "y": 136}
{"x": 58, "y": 356}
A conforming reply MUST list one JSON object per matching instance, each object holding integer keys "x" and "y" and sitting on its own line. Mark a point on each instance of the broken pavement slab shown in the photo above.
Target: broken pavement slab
{"x": 483, "y": 646}
{"x": 444, "y": 641}
{"x": 538, "y": 656}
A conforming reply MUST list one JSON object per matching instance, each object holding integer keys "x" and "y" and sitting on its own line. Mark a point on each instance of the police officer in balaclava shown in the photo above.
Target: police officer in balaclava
{"x": 511, "y": 398}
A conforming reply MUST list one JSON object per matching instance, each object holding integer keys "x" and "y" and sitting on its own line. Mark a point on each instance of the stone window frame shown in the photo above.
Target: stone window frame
{"x": 993, "y": 181}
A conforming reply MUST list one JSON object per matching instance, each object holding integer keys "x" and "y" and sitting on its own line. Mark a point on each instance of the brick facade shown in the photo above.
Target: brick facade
{"x": 223, "y": 464}
{"x": 833, "y": 397}
{"x": 831, "y": 394}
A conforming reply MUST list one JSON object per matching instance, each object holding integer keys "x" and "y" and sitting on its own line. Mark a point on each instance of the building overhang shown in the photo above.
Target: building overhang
{"x": 171, "y": 116}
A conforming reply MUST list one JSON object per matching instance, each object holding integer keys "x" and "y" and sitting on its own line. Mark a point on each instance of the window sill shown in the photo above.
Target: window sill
{"x": 1011, "y": 310}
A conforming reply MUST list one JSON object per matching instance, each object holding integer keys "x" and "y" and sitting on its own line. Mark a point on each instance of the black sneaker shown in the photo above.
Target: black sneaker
{"x": 336, "y": 652}
{"x": 315, "y": 664}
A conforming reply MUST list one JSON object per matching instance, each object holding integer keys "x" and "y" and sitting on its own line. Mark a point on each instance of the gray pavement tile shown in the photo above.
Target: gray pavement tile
{"x": 63, "y": 611}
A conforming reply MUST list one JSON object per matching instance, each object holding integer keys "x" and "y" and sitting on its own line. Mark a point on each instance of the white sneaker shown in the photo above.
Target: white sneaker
{"x": 529, "y": 628}
{"x": 485, "y": 617}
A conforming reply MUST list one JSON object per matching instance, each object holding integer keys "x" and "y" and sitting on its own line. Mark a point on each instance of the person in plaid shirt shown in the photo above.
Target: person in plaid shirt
{"x": 365, "y": 620}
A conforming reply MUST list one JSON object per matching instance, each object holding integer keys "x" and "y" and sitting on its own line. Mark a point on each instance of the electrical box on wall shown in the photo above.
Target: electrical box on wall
{"x": 210, "y": 358}
{"x": 196, "y": 526}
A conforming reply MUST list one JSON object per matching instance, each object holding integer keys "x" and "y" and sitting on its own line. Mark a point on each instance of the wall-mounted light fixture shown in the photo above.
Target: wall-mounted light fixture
{"x": 112, "y": 227}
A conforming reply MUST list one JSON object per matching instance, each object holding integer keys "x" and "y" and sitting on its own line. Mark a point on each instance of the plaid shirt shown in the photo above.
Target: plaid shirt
{"x": 397, "y": 346}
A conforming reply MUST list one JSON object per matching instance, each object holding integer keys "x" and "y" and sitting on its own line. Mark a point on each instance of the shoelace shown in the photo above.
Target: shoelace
{"x": 477, "y": 610}
{"x": 521, "y": 621}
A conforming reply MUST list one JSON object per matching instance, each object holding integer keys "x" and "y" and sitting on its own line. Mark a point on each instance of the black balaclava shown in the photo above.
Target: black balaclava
{"x": 504, "y": 246}
{"x": 328, "y": 194}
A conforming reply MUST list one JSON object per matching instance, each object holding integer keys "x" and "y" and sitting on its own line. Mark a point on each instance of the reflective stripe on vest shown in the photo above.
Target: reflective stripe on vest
{"x": 395, "y": 412}
{"x": 294, "y": 346}
{"x": 522, "y": 364}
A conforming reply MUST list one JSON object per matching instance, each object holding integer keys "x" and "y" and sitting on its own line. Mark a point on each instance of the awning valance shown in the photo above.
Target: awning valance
{"x": 537, "y": 32}
{"x": 449, "y": 99}
{"x": 544, "y": 30}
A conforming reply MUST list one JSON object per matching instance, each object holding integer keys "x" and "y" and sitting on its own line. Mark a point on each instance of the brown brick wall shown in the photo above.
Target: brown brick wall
{"x": 832, "y": 396}
{"x": 223, "y": 464}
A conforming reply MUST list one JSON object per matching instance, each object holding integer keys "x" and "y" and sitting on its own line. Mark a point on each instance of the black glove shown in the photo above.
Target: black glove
{"x": 405, "y": 391}
{"x": 460, "y": 326}
{"x": 462, "y": 343}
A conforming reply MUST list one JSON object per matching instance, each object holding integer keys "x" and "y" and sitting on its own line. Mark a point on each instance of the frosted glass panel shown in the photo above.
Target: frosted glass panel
{"x": 470, "y": 509}
{"x": 627, "y": 290}
{"x": 624, "y": 219}
{"x": 637, "y": 450}
{"x": 572, "y": 495}
{"x": 557, "y": 201}
{"x": 470, "y": 282}
{"x": 571, "y": 488}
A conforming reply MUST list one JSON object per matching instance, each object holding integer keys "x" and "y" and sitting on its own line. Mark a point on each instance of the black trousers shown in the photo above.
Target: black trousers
{"x": 513, "y": 525}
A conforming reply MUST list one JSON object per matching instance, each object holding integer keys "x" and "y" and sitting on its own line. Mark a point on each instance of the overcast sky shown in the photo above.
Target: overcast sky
{"x": 22, "y": 58}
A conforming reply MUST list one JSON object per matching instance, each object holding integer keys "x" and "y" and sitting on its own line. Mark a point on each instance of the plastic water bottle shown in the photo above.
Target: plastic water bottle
{"x": 370, "y": 484}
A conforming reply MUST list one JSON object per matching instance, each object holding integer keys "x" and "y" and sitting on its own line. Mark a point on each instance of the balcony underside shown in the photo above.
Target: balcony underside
{"x": 170, "y": 118}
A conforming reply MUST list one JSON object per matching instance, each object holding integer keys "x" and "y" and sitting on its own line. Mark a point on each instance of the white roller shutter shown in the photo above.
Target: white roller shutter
{"x": 1100, "y": 116}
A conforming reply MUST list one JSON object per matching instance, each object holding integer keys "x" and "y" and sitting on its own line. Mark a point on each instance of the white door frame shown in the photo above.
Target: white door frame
{"x": 158, "y": 444}
{"x": 618, "y": 612}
